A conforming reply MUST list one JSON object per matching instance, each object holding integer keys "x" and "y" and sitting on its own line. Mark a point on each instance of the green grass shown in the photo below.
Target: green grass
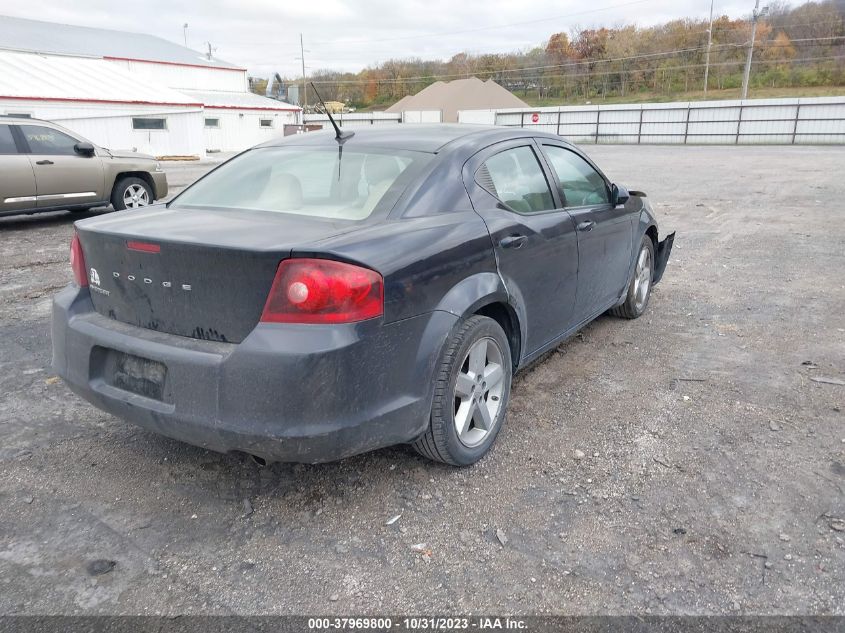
{"x": 694, "y": 95}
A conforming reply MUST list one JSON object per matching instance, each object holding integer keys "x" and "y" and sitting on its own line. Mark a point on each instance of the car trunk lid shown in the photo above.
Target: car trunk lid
{"x": 203, "y": 274}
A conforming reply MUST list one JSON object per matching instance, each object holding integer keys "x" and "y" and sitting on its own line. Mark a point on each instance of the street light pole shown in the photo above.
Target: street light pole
{"x": 709, "y": 44}
{"x": 304, "y": 85}
{"x": 754, "y": 17}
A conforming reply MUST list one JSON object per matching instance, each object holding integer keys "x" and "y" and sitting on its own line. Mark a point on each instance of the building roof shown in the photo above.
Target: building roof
{"x": 64, "y": 39}
{"x": 59, "y": 78}
{"x": 460, "y": 94}
{"x": 237, "y": 100}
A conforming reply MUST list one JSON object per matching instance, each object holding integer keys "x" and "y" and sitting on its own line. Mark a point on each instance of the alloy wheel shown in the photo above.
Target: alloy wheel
{"x": 135, "y": 196}
{"x": 642, "y": 279}
{"x": 478, "y": 392}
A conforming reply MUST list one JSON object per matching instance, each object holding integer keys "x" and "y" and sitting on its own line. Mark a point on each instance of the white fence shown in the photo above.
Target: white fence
{"x": 805, "y": 121}
{"x": 357, "y": 119}
{"x": 422, "y": 116}
{"x": 354, "y": 119}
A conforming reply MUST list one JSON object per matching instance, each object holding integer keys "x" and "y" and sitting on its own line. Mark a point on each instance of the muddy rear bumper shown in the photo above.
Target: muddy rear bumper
{"x": 288, "y": 392}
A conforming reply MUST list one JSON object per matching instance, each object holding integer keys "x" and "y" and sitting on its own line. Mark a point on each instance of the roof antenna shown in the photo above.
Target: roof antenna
{"x": 339, "y": 135}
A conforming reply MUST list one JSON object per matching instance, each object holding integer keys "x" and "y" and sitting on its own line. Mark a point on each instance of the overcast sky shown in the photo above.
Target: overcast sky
{"x": 263, "y": 35}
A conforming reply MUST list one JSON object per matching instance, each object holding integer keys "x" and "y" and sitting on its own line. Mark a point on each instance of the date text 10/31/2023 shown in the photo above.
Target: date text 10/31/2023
{"x": 417, "y": 624}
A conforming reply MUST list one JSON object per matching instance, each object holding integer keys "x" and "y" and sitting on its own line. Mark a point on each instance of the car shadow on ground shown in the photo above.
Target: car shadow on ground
{"x": 235, "y": 477}
{"x": 48, "y": 219}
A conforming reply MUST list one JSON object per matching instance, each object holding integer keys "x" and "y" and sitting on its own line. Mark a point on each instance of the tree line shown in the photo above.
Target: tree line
{"x": 802, "y": 46}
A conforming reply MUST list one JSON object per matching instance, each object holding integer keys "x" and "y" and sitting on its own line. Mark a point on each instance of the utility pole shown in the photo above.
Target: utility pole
{"x": 756, "y": 15}
{"x": 709, "y": 44}
{"x": 185, "y": 33}
{"x": 304, "y": 85}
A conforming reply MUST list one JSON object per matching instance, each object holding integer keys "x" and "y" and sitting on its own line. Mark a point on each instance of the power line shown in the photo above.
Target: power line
{"x": 769, "y": 43}
{"x": 832, "y": 18}
{"x": 420, "y": 78}
{"x": 624, "y": 71}
{"x": 630, "y": 71}
{"x": 490, "y": 27}
{"x": 717, "y": 29}
{"x": 552, "y": 66}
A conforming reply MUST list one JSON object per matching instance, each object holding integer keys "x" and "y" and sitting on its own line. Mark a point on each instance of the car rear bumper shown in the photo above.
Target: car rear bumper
{"x": 288, "y": 392}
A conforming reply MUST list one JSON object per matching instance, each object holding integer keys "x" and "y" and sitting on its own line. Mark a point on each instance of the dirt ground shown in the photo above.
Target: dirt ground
{"x": 689, "y": 462}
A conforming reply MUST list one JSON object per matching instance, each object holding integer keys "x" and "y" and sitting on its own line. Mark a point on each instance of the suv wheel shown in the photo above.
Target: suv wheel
{"x": 472, "y": 388}
{"x": 131, "y": 193}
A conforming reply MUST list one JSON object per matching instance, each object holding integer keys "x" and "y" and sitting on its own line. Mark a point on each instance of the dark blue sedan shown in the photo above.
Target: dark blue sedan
{"x": 319, "y": 296}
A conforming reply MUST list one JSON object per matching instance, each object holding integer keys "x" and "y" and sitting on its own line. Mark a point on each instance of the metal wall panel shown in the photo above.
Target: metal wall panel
{"x": 356, "y": 119}
{"x": 422, "y": 116}
{"x": 110, "y": 124}
{"x": 241, "y": 129}
{"x": 477, "y": 117}
{"x": 757, "y": 121}
{"x": 187, "y": 77}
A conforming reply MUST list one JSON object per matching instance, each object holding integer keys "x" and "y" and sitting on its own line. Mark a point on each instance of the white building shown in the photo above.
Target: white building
{"x": 132, "y": 91}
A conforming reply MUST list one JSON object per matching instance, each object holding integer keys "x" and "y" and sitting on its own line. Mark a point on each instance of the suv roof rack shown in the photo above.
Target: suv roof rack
{"x": 18, "y": 116}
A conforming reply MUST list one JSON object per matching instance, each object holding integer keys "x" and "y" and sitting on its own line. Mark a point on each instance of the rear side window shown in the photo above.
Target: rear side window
{"x": 7, "y": 142}
{"x": 318, "y": 182}
{"x": 582, "y": 185}
{"x": 517, "y": 180}
{"x": 45, "y": 140}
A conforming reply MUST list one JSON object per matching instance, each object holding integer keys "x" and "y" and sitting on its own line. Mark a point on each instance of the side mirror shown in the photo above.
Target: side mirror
{"x": 84, "y": 149}
{"x": 618, "y": 195}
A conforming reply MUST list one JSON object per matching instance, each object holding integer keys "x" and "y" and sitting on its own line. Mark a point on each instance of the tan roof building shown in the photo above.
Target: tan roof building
{"x": 460, "y": 94}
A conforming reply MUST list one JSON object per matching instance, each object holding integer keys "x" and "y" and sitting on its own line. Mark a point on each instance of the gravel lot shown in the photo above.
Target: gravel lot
{"x": 683, "y": 463}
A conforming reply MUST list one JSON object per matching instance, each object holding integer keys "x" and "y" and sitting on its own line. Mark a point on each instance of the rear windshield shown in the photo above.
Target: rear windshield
{"x": 318, "y": 182}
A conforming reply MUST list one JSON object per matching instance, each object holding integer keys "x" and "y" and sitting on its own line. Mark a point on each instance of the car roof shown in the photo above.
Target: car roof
{"x": 431, "y": 137}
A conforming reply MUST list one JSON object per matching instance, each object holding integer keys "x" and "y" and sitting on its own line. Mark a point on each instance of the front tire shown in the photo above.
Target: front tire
{"x": 131, "y": 193}
{"x": 639, "y": 288}
{"x": 472, "y": 388}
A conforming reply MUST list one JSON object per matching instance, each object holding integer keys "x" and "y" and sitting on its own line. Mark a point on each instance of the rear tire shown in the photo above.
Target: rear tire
{"x": 131, "y": 193}
{"x": 471, "y": 392}
{"x": 639, "y": 287}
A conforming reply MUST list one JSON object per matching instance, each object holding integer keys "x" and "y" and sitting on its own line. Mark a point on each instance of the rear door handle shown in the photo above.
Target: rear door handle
{"x": 513, "y": 241}
{"x": 586, "y": 225}
{"x": 44, "y": 162}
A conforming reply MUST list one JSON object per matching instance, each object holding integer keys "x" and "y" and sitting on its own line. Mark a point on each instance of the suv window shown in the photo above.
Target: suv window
{"x": 517, "y": 179}
{"x": 7, "y": 141}
{"x": 582, "y": 185}
{"x": 45, "y": 140}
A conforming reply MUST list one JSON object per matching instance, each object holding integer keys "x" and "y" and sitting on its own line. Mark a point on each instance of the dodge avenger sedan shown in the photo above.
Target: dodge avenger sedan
{"x": 320, "y": 296}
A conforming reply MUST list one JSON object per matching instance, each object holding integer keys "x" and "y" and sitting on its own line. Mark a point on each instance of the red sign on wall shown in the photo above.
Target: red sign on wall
{"x": 535, "y": 118}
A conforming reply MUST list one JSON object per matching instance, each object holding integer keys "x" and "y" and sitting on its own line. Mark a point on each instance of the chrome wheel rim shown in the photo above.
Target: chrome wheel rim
{"x": 642, "y": 279}
{"x": 135, "y": 196}
{"x": 478, "y": 392}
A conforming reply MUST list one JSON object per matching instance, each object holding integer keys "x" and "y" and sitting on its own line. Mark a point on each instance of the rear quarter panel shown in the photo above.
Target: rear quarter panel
{"x": 441, "y": 262}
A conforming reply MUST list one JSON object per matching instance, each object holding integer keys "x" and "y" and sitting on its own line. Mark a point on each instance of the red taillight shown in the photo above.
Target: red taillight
{"x": 77, "y": 262}
{"x": 323, "y": 291}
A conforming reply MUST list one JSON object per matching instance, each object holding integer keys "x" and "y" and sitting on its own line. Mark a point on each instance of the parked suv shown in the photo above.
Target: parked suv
{"x": 44, "y": 167}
